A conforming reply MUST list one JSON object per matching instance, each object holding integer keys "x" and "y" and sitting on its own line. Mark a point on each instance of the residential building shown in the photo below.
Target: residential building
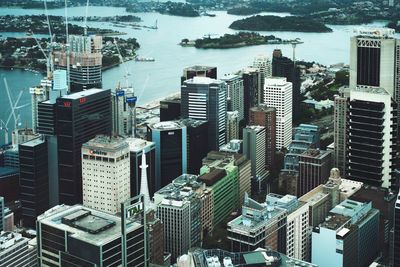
{"x": 16, "y": 250}
{"x": 278, "y": 95}
{"x": 314, "y": 169}
{"x": 33, "y": 180}
{"x": 170, "y": 138}
{"x": 67, "y": 235}
{"x": 79, "y": 118}
{"x": 106, "y": 180}
{"x": 204, "y": 99}
{"x": 266, "y": 116}
{"x": 254, "y": 150}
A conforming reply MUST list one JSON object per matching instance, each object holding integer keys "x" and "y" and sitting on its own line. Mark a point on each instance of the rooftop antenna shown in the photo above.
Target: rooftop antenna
{"x": 144, "y": 186}
{"x": 67, "y": 46}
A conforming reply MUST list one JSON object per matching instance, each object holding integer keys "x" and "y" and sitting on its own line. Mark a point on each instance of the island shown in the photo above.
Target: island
{"x": 275, "y": 23}
{"x": 240, "y": 39}
{"x": 178, "y": 9}
{"x": 34, "y": 24}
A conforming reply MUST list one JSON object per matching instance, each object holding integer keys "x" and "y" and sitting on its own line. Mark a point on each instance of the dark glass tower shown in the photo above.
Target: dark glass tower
{"x": 80, "y": 117}
{"x": 251, "y": 90}
{"x": 34, "y": 180}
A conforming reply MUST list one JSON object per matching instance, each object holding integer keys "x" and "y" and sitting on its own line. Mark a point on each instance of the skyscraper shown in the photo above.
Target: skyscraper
{"x": 251, "y": 90}
{"x": 170, "y": 109}
{"x": 235, "y": 94}
{"x": 205, "y": 99}
{"x": 80, "y": 117}
{"x": 34, "y": 180}
{"x": 106, "y": 181}
{"x": 2, "y": 214}
{"x": 122, "y": 115}
{"x": 278, "y": 95}
{"x": 285, "y": 67}
{"x": 200, "y": 71}
{"x": 171, "y": 150}
{"x": 81, "y": 236}
{"x": 85, "y": 60}
{"x": 266, "y": 116}
{"x": 264, "y": 64}
{"x": 254, "y": 150}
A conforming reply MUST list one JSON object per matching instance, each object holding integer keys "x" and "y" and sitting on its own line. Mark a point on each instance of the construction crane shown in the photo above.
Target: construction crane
{"x": 67, "y": 46}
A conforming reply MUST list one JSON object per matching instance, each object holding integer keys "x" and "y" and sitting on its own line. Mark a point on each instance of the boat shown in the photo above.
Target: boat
{"x": 144, "y": 59}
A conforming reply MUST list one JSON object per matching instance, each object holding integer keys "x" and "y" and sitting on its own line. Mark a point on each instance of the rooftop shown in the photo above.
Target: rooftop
{"x": 203, "y": 80}
{"x": 230, "y": 77}
{"x": 192, "y": 122}
{"x": 137, "y": 144}
{"x": 167, "y": 125}
{"x": 107, "y": 143}
{"x": 212, "y": 177}
{"x": 9, "y": 239}
{"x": 179, "y": 189}
{"x": 315, "y": 153}
{"x": 262, "y": 107}
{"x": 85, "y": 224}
{"x": 84, "y": 93}
{"x": 256, "y": 128}
{"x": 353, "y": 209}
{"x": 335, "y": 222}
{"x": 198, "y": 68}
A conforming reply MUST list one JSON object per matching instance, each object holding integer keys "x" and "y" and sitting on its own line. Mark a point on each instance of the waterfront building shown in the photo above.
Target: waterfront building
{"x": 197, "y": 143}
{"x": 106, "y": 181}
{"x": 79, "y": 118}
{"x": 122, "y": 102}
{"x": 232, "y": 125}
{"x": 204, "y": 99}
{"x": 285, "y": 67}
{"x": 170, "y": 138}
{"x": 259, "y": 226}
{"x": 314, "y": 168}
{"x": 66, "y": 235}
{"x": 254, "y": 150}
{"x": 16, "y": 251}
{"x": 252, "y": 90}
{"x": 136, "y": 148}
{"x": 348, "y": 236}
{"x": 235, "y": 94}
{"x": 33, "y": 180}
{"x": 199, "y": 71}
{"x": 266, "y": 116}
{"x": 179, "y": 208}
{"x": 85, "y": 60}
{"x": 278, "y": 95}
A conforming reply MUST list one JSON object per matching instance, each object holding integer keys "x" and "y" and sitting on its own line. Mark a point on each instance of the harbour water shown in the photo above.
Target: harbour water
{"x": 154, "y": 80}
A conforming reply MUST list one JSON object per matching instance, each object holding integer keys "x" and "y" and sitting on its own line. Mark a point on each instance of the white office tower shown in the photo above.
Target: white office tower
{"x": 235, "y": 98}
{"x": 122, "y": 100}
{"x": 264, "y": 64}
{"x": 232, "y": 125}
{"x": 105, "y": 173}
{"x": 278, "y": 95}
{"x": 144, "y": 185}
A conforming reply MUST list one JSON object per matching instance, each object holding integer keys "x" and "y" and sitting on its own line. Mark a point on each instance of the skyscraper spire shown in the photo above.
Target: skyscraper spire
{"x": 144, "y": 186}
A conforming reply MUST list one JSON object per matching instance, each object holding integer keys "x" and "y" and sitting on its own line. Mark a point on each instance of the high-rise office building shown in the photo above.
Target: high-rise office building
{"x": 254, "y": 150}
{"x": 199, "y": 71}
{"x": 122, "y": 113}
{"x": 106, "y": 181}
{"x": 232, "y": 125}
{"x": 197, "y": 143}
{"x": 264, "y": 64}
{"x": 136, "y": 147}
{"x": 278, "y": 95}
{"x": 179, "y": 208}
{"x": 340, "y": 136}
{"x": 9, "y": 184}
{"x": 170, "y": 109}
{"x": 266, "y": 116}
{"x": 251, "y": 90}
{"x": 2, "y": 214}
{"x": 34, "y": 180}
{"x": 204, "y": 99}
{"x": 396, "y": 236}
{"x": 235, "y": 94}
{"x": 285, "y": 67}
{"x": 80, "y": 117}
{"x": 39, "y": 94}
{"x": 372, "y": 137}
{"x": 259, "y": 226}
{"x": 80, "y": 236}
{"x": 314, "y": 169}
{"x": 156, "y": 242}
{"x": 297, "y": 225}
{"x": 170, "y": 138}
{"x": 16, "y": 251}
{"x": 85, "y": 60}
{"x": 348, "y": 236}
